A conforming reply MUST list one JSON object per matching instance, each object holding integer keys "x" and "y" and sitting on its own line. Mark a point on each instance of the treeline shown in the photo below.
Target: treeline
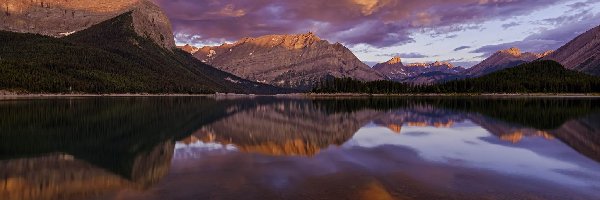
{"x": 109, "y": 57}
{"x": 39, "y": 64}
{"x": 534, "y": 77}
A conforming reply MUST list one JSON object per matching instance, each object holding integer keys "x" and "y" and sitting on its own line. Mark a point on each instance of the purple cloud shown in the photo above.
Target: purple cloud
{"x": 404, "y": 55}
{"x": 505, "y": 26}
{"x": 581, "y": 5}
{"x": 550, "y": 39}
{"x": 461, "y": 48}
{"x": 379, "y": 23}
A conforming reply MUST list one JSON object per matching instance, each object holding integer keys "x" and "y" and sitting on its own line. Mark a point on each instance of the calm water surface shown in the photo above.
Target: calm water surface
{"x": 299, "y": 148}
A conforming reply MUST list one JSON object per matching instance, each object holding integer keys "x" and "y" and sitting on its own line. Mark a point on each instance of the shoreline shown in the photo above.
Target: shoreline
{"x": 460, "y": 95}
{"x": 16, "y": 95}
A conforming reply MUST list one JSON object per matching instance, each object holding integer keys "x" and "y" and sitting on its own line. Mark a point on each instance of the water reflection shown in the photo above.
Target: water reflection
{"x": 296, "y": 148}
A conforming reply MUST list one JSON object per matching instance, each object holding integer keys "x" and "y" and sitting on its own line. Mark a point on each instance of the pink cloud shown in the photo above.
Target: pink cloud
{"x": 378, "y": 23}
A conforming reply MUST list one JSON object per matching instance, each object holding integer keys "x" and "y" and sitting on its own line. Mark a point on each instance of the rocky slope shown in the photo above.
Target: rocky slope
{"x": 419, "y": 73}
{"x": 59, "y": 18}
{"x": 109, "y": 57}
{"x": 293, "y": 61}
{"x": 189, "y": 48}
{"x": 581, "y": 54}
{"x": 503, "y": 59}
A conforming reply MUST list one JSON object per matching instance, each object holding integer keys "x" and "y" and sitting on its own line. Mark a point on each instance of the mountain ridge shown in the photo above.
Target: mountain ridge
{"x": 581, "y": 54}
{"x": 110, "y": 57}
{"x": 293, "y": 61}
{"x": 60, "y": 18}
{"x": 417, "y": 73}
{"x": 503, "y": 59}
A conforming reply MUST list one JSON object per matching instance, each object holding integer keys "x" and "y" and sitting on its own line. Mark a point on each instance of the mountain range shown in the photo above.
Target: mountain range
{"x": 418, "y": 73}
{"x": 293, "y": 61}
{"x": 503, "y": 59}
{"x": 59, "y": 18}
{"x": 123, "y": 46}
{"x": 581, "y": 54}
{"x": 124, "y": 54}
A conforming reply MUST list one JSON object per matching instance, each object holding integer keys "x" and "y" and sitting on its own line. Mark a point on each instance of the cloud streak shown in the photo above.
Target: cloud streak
{"x": 405, "y": 55}
{"x": 462, "y": 48}
{"x": 379, "y": 23}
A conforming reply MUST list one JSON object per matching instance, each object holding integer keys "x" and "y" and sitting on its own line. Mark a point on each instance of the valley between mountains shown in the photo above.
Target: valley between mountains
{"x": 127, "y": 46}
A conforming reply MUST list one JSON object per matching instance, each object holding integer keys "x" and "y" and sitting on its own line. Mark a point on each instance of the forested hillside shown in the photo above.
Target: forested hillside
{"x": 109, "y": 58}
{"x": 534, "y": 77}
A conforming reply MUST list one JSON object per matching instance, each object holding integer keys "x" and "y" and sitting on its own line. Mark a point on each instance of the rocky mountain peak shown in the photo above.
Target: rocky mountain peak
{"x": 434, "y": 64}
{"x": 504, "y": 59}
{"x": 546, "y": 53}
{"x": 395, "y": 70}
{"x": 394, "y": 60}
{"x": 59, "y": 18}
{"x": 418, "y": 64}
{"x": 289, "y": 41}
{"x": 442, "y": 64}
{"x": 189, "y": 48}
{"x": 297, "y": 61}
{"x": 514, "y": 51}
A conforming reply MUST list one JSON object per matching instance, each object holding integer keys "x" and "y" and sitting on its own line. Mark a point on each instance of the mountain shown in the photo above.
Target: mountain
{"x": 418, "y": 73}
{"x": 110, "y": 57}
{"x": 59, "y": 18}
{"x": 189, "y": 48}
{"x": 581, "y": 54}
{"x": 292, "y": 61}
{"x": 275, "y": 128}
{"x": 541, "y": 76}
{"x": 503, "y": 59}
{"x": 433, "y": 77}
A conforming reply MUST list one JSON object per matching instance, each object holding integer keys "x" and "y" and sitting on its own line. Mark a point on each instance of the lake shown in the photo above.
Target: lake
{"x": 299, "y": 148}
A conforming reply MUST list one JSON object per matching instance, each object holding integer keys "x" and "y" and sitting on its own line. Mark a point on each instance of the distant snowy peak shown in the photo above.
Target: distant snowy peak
{"x": 434, "y": 64}
{"x": 395, "y": 70}
{"x": 61, "y": 18}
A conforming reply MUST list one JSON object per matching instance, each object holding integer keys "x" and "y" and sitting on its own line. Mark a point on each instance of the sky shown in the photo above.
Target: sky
{"x": 462, "y": 32}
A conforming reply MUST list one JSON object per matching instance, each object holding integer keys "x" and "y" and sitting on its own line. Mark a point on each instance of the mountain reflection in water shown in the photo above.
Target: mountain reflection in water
{"x": 298, "y": 148}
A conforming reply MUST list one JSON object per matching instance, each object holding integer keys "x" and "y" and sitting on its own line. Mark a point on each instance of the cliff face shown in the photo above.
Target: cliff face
{"x": 59, "y": 18}
{"x": 293, "y": 61}
{"x": 503, "y": 59}
{"x": 419, "y": 73}
{"x": 581, "y": 54}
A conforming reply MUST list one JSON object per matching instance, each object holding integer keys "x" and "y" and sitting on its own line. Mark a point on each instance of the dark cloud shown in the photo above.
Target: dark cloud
{"x": 550, "y": 39}
{"x": 379, "y": 23}
{"x": 461, "y": 48}
{"x": 405, "y": 55}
